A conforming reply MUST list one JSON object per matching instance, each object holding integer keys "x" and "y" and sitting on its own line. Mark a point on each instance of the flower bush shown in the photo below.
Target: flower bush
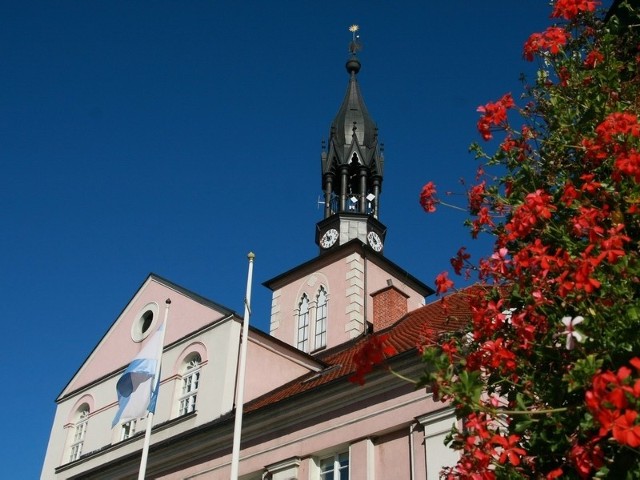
{"x": 545, "y": 381}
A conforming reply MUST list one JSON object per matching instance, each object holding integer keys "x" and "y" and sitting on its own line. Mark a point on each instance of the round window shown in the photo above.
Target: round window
{"x": 144, "y": 322}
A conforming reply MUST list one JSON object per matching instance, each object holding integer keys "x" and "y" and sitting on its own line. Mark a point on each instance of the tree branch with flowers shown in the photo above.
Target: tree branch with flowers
{"x": 546, "y": 378}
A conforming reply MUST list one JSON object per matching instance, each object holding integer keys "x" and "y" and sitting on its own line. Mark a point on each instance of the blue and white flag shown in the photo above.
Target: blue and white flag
{"x": 138, "y": 387}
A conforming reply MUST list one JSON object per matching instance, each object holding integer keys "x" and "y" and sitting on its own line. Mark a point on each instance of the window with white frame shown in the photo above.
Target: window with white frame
{"x": 321, "y": 320}
{"x": 335, "y": 467}
{"x": 437, "y": 426}
{"x": 190, "y": 384}
{"x": 303, "y": 324}
{"x": 79, "y": 433}
{"x": 128, "y": 429}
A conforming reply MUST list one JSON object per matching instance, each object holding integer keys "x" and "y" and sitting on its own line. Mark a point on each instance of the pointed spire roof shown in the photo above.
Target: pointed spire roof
{"x": 353, "y": 118}
{"x": 353, "y": 129}
{"x": 352, "y": 163}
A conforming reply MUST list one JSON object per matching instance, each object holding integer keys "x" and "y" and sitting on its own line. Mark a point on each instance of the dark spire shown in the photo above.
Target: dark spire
{"x": 352, "y": 165}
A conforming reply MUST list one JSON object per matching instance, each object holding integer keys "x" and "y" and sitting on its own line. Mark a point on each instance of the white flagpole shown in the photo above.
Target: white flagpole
{"x": 237, "y": 427}
{"x": 156, "y": 379}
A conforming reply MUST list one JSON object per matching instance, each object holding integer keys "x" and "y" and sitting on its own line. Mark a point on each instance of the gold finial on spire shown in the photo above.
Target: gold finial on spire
{"x": 354, "y": 45}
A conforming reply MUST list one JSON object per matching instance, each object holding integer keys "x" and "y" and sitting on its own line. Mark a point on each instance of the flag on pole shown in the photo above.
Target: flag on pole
{"x": 138, "y": 386}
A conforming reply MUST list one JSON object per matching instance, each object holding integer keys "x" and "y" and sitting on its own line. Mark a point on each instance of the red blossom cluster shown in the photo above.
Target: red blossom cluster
{"x": 494, "y": 114}
{"x": 375, "y": 350}
{"x": 483, "y": 444}
{"x": 537, "y": 206}
{"x": 551, "y": 40}
{"x": 569, "y": 9}
{"x": 614, "y": 402}
{"x": 617, "y": 135}
{"x": 443, "y": 283}
{"x": 593, "y": 58}
{"x": 586, "y": 458}
{"x": 428, "y": 198}
{"x": 458, "y": 262}
{"x": 519, "y": 145}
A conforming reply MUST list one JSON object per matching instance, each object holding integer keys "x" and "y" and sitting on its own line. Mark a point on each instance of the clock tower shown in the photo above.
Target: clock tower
{"x": 352, "y": 163}
{"x": 350, "y": 289}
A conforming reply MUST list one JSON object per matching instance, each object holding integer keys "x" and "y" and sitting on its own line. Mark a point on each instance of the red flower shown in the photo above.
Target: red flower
{"x": 494, "y": 114}
{"x": 510, "y": 450}
{"x": 553, "y": 474}
{"x": 443, "y": 283}
{"x": 586, "y": 458}
{"x": 428, "y": 198}
{"x": 373, "y": 352}
{"x": 551, "y": 40}
{"x": 459, "y": 260}
{"x": 476, "y": 197}
{"x": 537, "y": 206}
{"x": 627, "y": 163}
{"x": 625, "y": 430}
{"x": 593, "y": 58}
{"x": 569, "y": 9}
{"x": 618, "y": 123}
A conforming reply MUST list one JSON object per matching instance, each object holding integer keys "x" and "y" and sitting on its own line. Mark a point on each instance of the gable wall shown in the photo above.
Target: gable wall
{"x": 349, "y": 282}
{"x": 117, "y": 348}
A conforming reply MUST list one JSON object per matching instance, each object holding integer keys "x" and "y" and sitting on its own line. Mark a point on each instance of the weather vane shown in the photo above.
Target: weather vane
{"x": 354, "y": 45}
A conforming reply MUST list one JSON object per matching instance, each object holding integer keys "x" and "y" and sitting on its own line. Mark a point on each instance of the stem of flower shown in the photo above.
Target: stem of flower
{"x": 402, "y": 377}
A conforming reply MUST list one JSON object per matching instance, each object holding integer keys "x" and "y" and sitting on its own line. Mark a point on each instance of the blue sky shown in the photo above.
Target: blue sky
{"x": 174, "y": 137}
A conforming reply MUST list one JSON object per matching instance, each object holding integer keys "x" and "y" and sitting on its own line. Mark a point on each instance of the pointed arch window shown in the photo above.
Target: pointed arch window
{"x": 303, "y": 324}
{"x": 79, "y": 432}
{"x": 320, "y": 326}
{"x": 190, "y": 384}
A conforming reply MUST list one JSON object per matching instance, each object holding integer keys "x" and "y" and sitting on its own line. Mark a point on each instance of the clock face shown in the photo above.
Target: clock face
{"x": 329, "y": 238}
{"x": 375, "y": 241}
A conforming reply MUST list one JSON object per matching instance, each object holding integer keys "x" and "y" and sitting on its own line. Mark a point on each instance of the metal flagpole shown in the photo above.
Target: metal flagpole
{"x": 237, "y": 427}
{"x": 156, "y": 379}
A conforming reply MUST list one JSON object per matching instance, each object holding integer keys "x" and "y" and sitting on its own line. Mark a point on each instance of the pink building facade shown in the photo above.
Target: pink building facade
{"x": 303, "y": 419}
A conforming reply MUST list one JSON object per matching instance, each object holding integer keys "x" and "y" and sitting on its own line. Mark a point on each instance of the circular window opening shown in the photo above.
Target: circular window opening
{"x": 146, "y": 321}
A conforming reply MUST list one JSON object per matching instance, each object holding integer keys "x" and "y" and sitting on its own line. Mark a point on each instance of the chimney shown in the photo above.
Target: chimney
{"x": 389, "y": 305}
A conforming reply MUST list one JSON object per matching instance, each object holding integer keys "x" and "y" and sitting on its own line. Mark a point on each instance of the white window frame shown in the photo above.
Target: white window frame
{"x": 320, "y": 325}
{"x": 79, "y": 434}
{"x": 302, "y": 342}
{"x": 437, "y": 425}
{"x": 128, "y": 429}
{"x": 189, "y": 386}
{"x": 336, "y": 468}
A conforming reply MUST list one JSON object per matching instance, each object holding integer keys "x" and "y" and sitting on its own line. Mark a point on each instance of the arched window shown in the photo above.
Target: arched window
{"x": 79, "y": 432}
{"x": 190, "y": 383}
{"x": 303, "y": 324}
{"x": 321, "y": 320}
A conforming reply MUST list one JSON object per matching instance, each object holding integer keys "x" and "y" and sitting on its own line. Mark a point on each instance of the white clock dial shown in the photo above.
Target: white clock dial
{"x": 375, "y": 241}
{"x": 329, "y": 238}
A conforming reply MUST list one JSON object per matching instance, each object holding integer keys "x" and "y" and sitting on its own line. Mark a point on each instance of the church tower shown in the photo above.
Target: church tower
{"x": 350, "y": 288}
{"x": 352, "y": 164}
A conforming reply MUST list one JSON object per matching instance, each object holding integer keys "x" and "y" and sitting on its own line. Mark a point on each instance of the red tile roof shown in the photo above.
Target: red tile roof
{"x": 404, "y": 335}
